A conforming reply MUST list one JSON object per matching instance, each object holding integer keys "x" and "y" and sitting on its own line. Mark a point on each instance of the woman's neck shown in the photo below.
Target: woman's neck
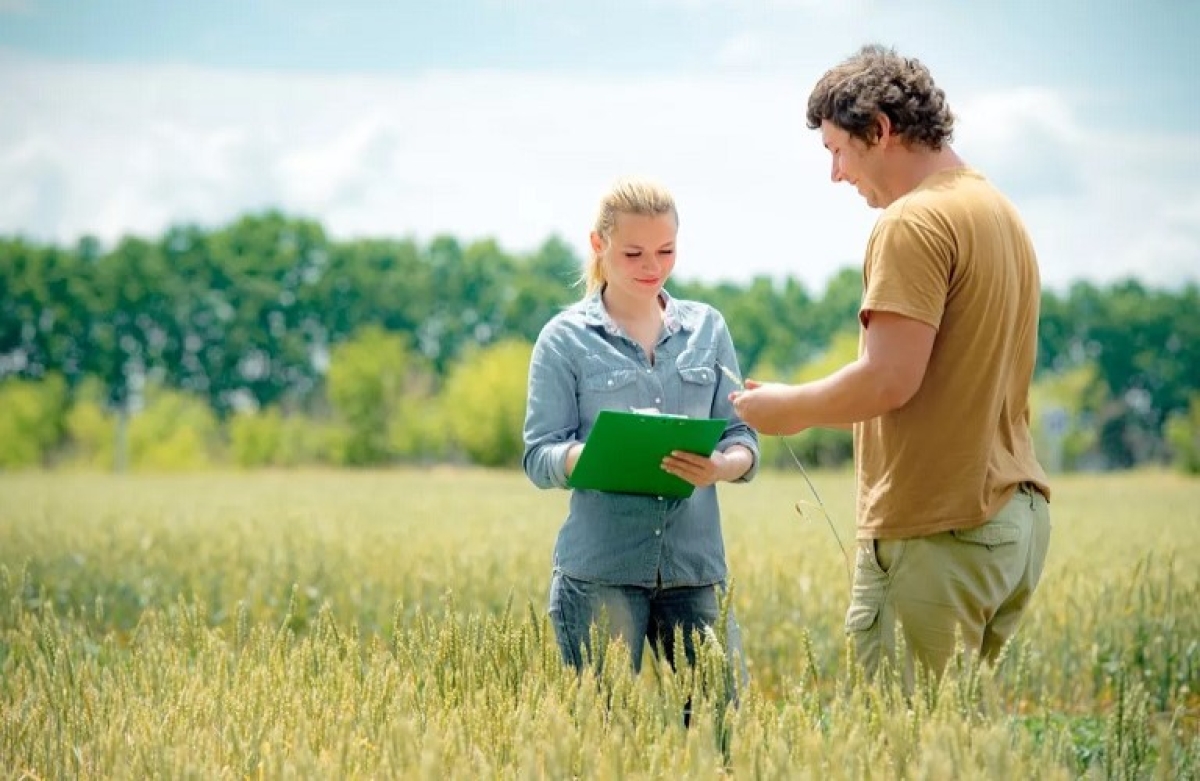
{"x": 628, "y": 308}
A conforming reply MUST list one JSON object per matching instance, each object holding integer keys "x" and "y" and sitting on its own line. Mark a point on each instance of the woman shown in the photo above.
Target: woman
{"x": 639, "y": 566}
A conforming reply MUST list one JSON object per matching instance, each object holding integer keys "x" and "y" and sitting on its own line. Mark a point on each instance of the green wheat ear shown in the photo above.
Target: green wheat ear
{"x": 845, "y": 555}
{"x": 729, "y": 373}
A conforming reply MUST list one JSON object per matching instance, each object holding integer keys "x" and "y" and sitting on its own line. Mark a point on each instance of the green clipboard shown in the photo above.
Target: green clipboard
{"x": 624, "y": 452}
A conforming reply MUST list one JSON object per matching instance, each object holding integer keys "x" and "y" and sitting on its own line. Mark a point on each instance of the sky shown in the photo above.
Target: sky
{"x": 507, "y": 119}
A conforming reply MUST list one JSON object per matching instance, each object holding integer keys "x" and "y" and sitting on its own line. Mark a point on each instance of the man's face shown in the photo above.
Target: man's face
{"x": 856, "y": 162}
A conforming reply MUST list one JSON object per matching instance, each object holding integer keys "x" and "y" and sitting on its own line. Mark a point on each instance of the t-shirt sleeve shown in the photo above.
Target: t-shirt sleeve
{"x": 907, "y": 271}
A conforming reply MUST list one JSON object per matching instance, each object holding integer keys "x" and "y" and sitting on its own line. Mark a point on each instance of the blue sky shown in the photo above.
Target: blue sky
{"x": 485, "y": 118}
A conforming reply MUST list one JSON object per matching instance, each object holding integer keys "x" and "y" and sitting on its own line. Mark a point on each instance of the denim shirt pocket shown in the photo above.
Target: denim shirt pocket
{"x": 607, "y": 389}
{"x": 698, "y": 371}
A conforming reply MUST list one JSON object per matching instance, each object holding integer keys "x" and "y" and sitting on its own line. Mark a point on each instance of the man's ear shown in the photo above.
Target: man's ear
{"x": 883, "y": 126}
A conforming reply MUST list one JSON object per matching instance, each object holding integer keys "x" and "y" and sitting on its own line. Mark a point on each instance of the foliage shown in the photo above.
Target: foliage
{"x": 256, "y": 624}
{"x": 176, "y": 431}
{"x": 816, "y": 447}
{"x": 484, "y": 401}
{"x": 256, "y": 437}
{"x": 375, "y": 382}
{"x": 31, "y": 420}
{"x": 91, "y": 430}
{"x": 1183, "y": 435}
{"x": 248, "y": 316}
{"x": 1063, "y": 406}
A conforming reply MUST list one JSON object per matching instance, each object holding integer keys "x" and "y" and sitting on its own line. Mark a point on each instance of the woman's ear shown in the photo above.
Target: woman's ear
{"x": 597, "y": 244}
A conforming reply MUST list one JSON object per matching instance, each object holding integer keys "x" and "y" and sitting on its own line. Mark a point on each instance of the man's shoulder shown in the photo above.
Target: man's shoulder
{"x": 946, "y": 191}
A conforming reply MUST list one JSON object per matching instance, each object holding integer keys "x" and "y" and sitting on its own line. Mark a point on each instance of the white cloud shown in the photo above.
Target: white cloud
{"x": 1101, "y": 204}
{"x": 110, "y": 150}
{"x": 16, "y": 6}
{"x": 742, "y": 50}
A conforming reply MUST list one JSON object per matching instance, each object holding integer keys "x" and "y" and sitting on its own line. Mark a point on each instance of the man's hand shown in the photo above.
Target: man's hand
{"x": 769, "y": 408}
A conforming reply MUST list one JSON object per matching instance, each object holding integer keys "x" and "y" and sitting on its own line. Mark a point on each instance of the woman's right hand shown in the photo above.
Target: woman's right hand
{"x": 573, "y": 457}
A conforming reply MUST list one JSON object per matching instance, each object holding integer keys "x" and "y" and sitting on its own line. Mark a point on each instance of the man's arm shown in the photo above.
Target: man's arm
{"x": 884, "y": 378}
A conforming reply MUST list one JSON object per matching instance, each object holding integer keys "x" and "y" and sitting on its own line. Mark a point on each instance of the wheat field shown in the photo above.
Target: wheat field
{"x": 392, "y": 624}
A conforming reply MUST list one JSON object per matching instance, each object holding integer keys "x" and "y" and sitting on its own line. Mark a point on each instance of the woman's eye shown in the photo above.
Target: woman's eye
{"x": 633, "y": 254}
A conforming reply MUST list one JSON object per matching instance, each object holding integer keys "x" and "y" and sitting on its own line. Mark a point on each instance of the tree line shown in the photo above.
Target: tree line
{"x": 266, "y": 342}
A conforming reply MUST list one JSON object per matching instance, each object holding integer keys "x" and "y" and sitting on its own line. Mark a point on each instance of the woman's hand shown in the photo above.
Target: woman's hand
{"x": 573, "y": 457}
{"x": 702, "y": 471}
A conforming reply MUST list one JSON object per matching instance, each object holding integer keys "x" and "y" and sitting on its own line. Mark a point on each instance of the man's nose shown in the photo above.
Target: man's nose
{"x": 835, "y": 171}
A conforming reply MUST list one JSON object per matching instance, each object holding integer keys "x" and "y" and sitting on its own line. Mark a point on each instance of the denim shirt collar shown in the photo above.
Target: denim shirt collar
{"x": 675, "y": 317}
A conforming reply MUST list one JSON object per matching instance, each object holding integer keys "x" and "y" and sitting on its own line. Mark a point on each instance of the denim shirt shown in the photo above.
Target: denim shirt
{"x": 583, "y": 363}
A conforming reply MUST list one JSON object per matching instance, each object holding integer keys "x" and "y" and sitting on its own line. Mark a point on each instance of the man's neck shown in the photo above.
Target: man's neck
{"x": 922, "y": 163}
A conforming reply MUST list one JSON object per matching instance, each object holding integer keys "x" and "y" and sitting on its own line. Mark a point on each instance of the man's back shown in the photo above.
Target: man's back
{"x": 953, "y": 253}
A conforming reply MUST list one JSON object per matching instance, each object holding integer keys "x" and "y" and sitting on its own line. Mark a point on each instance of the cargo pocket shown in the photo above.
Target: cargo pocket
{"x": 868, "y": 592}
{"x": 991, "y": 534}
{"x": 860, "y": 617}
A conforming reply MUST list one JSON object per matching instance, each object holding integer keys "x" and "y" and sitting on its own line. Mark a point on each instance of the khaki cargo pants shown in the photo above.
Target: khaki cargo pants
{"x": 976, "y": 581}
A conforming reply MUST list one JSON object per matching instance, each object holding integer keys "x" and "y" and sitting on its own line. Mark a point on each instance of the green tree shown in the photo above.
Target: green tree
{"x": 256, "y": 437}
{"x": 373, "y": 380}
{"x": 1063, "y": 407}
{"x": 257, "y": 328}
{"x": 174, "y": 431}
{"x": 484, "y": 401}
{"x": 91, "y": 427}
{"x": 1183, "y": 435}
{"x": 32, "y": 418}
{"x": 44, "y": 302}
{"x": 542, "y": 284}
{"x": 826, "y": 447}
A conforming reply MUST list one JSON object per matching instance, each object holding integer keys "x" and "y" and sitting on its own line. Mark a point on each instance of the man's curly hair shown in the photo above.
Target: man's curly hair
{"x": 876, "y": 80}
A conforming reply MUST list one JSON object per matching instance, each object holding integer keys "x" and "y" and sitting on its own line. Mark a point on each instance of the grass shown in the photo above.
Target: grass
{"x": 392, "y": 624}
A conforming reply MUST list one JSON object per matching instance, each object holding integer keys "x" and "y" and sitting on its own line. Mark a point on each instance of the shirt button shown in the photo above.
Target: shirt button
{"x": 658, "y": 532}
{"x": 658, "y": 401}
{"x": 610, "y": 383}
{"x": 660, "y": 498}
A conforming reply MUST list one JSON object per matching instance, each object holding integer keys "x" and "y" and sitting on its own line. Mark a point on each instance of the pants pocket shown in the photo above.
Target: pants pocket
{"x": 991, "y": 534}
{"x": 868, "y": 592}
{"x": 570, "y": 618}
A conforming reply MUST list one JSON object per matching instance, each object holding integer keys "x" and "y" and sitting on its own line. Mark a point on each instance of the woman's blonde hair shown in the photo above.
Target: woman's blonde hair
{"x": 628, "y": 195}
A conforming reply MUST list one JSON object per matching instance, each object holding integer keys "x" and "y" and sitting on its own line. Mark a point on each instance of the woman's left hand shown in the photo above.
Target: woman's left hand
{"x": 697, "y": 470}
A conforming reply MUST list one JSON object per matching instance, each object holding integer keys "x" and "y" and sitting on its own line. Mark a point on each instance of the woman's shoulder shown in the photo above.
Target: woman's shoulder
{"x": 570, "y": 319}
{"x": 695, "y": 314}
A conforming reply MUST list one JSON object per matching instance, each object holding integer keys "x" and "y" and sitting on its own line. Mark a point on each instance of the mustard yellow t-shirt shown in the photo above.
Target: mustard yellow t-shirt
{"x": 952, "y": 253}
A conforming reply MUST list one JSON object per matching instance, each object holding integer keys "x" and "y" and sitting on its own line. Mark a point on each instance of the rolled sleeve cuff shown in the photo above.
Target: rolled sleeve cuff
{"x": 750, "y": 443}
{"x": 557, "y": 462}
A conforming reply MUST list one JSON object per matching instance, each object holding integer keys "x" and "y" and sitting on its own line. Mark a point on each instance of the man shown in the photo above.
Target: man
{"x": 952, "y": 515}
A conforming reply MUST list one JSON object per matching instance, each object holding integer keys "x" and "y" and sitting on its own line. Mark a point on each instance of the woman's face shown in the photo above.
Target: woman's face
{"x": 639, "y": 254}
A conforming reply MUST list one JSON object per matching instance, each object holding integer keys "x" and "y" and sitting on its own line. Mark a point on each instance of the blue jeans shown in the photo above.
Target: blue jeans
{"x": 636, "y": 614}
